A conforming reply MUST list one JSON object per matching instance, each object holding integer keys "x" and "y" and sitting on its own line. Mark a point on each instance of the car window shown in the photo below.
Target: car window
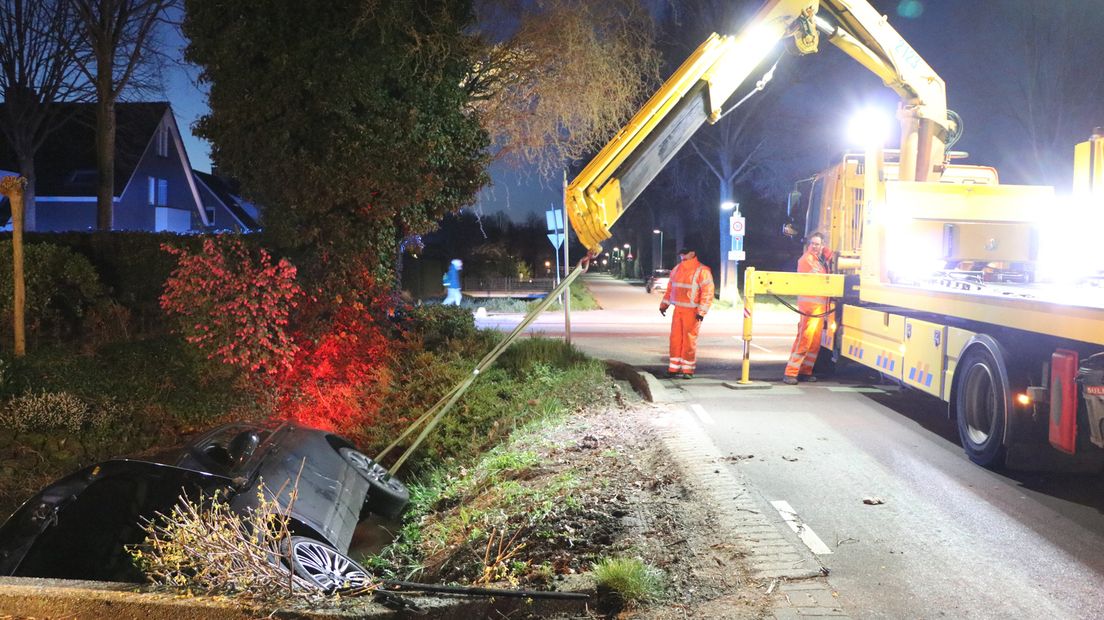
{"x": 215, "y": 450}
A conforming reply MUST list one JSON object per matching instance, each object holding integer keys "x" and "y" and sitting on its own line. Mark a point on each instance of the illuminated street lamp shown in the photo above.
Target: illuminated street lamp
{"x": 548, "y": 266}
{"x": 659, "y": 254}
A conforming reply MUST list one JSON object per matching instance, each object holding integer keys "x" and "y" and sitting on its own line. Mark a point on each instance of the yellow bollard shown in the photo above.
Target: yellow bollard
{"x": 749, "y": 304}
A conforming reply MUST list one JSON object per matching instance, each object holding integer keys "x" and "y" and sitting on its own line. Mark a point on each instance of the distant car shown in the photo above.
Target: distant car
{"x": 658, "y": 280}
{"x": 77, "y": 527}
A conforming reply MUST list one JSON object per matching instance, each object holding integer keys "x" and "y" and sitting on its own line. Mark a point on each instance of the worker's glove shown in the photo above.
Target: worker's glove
{"x": 663, "y": 310}
{"x": 699, "y": 317}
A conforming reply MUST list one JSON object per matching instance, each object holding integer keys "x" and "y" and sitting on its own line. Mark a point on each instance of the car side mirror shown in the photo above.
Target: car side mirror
{"x": 242, "y": 446}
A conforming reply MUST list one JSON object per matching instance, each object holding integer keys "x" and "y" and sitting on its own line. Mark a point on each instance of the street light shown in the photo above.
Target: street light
{"x": 660, "y": 253}
{"x": 627, "y": 273}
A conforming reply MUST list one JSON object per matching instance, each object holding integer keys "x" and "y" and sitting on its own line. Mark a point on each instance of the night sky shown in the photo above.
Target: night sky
{"x": 983, "y": 49}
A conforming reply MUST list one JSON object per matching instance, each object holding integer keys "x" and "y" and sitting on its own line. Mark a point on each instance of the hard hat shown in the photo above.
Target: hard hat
{"x": 456, "y": 262}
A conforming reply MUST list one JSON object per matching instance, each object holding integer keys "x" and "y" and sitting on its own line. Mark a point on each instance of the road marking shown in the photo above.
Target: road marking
{"x": 807, "y": 535}
{"x": 702, "y": 414}
{"x": 860, "y": 390}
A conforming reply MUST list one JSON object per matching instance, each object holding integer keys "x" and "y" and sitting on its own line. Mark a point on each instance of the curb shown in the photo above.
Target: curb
{"x": 28, "y": 597}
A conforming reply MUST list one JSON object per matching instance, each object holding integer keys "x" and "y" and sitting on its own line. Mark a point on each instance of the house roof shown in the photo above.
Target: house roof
{"x": 65, "y": 165}
{"x": 223, "y": 190}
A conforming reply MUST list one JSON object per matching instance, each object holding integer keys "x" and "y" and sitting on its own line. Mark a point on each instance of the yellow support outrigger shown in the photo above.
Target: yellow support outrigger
{"x": 781, "y": 283}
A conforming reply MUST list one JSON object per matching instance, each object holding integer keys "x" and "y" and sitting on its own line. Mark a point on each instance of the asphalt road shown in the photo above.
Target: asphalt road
{"x": 949, "y": 540}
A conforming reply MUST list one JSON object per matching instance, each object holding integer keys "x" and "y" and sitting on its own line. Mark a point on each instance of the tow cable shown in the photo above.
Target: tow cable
{"x": 446, "y": 402}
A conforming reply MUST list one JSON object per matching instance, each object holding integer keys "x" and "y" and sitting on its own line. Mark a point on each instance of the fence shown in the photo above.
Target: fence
{"x": 506, "y": 286}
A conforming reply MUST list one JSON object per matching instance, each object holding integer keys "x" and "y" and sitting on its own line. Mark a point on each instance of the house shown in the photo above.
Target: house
{"x": 226, "y": 209}
{"x": 155, "y": 186}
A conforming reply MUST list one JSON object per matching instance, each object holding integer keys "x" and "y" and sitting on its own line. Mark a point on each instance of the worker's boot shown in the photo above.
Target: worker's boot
{"x": 788, "y": 380}
{"x": 807, "y": 378}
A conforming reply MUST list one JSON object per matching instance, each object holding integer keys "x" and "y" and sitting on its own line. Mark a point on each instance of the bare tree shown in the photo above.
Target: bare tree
{"x": 559, "y": 77}
{"x": 1054, "y": 98}
{"x": 122, "y": 54}
{"x": 37, "y": 72}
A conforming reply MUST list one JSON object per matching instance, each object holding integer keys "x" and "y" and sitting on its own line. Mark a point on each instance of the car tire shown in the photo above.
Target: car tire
{"x": 324, "y": 567}
{"x": 387, "y": 496}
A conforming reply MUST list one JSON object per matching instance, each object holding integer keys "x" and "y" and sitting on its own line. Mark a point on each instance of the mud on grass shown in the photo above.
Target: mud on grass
{"x": 540, "y": 511}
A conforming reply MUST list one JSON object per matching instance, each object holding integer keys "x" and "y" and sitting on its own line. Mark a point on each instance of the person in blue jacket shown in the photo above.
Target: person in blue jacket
{"x": 451, "y": 280}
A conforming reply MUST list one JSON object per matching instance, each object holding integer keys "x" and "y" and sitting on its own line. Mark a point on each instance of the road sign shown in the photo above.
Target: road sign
{"x": 554, "y": 217}
{"x": 736, "y": 255}
{"x": 736, "y": 225}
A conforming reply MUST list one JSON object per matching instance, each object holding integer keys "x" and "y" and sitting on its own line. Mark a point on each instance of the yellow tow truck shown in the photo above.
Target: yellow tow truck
{"x": 947, "y": 281}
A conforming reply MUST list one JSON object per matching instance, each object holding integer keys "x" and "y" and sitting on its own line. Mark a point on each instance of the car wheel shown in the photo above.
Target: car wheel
{"x": 387, "y": 496}
{"x": 325, "y": 567}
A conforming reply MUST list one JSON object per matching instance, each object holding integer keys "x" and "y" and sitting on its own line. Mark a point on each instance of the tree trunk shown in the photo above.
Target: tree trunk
{"x": 13, "y": 188}
{"x": 105, "y": 155}
{"x": 27, "y": 171}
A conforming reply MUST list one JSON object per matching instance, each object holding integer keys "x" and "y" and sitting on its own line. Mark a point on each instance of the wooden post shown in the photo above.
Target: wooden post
{"x": 12, "y": 187}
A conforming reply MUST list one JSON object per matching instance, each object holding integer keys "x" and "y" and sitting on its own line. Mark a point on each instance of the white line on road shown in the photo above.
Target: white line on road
{"x": 807, "y": 535}
{"x": 702, "y": 414}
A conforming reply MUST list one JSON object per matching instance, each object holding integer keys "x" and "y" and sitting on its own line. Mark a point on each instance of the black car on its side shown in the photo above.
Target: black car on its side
{"x": 78, "y": 526}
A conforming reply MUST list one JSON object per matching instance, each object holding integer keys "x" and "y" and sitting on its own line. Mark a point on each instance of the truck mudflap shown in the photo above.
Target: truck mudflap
{"x": 1063, "y": 401}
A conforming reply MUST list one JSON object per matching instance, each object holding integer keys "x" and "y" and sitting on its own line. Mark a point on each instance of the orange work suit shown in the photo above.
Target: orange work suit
{"x": 807, "y": 344}
{"x": 690, "y": 291}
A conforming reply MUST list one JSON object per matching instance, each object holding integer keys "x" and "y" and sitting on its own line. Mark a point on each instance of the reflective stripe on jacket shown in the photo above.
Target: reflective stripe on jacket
{"x": 691, "y": 286}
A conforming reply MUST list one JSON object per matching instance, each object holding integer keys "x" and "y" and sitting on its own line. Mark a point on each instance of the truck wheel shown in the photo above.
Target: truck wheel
{"x": 981, "y": 404}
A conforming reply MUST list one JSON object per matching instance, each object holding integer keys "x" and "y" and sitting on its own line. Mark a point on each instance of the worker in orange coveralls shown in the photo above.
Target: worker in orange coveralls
{"x": 807, "y": 344}
{"x": 690, "y": 291}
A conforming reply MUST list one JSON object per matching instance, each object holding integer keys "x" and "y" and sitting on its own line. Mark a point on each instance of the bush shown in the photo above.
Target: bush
{"x": 131, "y": 265}
{"x": 60, "y": 286}
{"x": 234, "y": 304}
{"x": 204, "y": 546}
{"x": 440, "y": 327}
{"x": 53, "y": 411}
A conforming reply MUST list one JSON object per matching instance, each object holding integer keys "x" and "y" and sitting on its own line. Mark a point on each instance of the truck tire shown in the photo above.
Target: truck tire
{"x": 981, "y": 405}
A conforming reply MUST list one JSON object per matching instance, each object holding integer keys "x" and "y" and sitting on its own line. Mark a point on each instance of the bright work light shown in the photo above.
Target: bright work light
{"x": 869, "y": 127}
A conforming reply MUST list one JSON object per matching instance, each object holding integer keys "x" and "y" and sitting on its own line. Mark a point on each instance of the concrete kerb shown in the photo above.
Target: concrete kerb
{"x": 23, "y": 597}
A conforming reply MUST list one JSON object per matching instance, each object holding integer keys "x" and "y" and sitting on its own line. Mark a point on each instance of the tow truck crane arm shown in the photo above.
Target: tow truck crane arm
{"x": 696, "y": 92}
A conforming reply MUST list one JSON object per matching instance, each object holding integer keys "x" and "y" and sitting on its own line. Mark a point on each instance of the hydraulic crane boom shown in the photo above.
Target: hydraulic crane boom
{"x": 696, "y": 92}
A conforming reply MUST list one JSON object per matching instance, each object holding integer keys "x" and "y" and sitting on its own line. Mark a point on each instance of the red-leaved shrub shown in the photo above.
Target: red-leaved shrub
{"x": 338, "y": 380}
{"x": 233, "y": 303}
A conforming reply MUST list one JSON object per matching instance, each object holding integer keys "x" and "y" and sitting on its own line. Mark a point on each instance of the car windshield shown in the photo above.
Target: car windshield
{"x": 661, "y": 273}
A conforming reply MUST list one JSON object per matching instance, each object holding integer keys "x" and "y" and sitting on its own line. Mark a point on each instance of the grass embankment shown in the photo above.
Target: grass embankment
{"x": 474, "y": 519}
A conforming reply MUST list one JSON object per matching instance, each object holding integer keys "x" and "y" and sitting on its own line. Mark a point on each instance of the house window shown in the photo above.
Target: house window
{"x": 163, "y": 141}
{"x": 158, "y": 192}
{"x": 174, "y": 220}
